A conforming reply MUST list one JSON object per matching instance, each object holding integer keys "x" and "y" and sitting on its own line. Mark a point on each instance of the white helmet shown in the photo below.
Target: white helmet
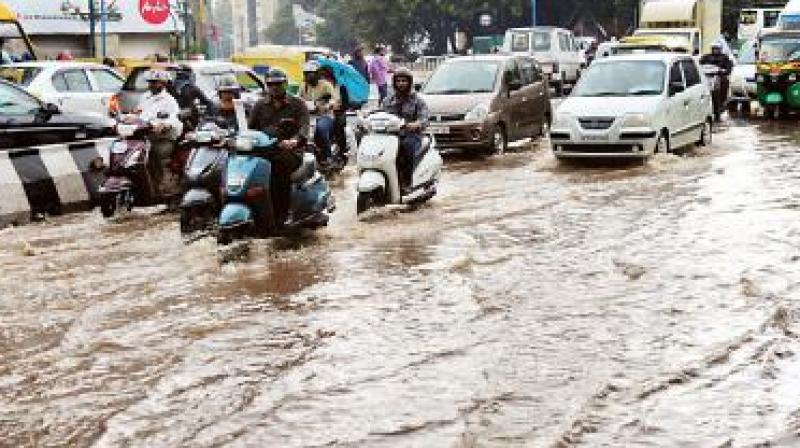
{"x": 158, "y": 75}
{"x": 311, "y": 67}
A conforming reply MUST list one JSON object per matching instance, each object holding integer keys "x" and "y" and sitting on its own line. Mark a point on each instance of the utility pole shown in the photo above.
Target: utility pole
{"x": 92, "y": 32}
{"x": 533, "y": 13}
{"x": 103, "y": 27}
{"x": 186, "y": 41}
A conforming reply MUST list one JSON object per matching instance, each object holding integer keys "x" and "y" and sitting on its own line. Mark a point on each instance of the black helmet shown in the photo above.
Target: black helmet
{"x": 276, "y": 76}
{"x": 402, "y": 72}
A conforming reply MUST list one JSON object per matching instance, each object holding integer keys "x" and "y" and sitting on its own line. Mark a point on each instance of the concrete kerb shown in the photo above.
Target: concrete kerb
{"x": 51, "y": 179}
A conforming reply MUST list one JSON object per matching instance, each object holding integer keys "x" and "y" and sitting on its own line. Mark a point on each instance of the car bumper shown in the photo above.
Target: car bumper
{"x": 462, "y": 134}
{"x": 629, "y": 143}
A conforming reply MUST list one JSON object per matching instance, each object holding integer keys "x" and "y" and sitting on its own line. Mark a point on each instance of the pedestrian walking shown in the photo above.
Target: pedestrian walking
{"x": 359, "y": 62}
{"x": 379, "y": 72}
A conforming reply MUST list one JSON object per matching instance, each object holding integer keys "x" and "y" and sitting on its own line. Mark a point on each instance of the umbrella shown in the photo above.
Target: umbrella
{"x": 348, "y": 77}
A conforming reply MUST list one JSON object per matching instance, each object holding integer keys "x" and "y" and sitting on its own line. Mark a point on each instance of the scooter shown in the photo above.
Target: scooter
{"x": 202, "y": 200}
{"x": 715, "y": 75}
{"x": 379, "y": 180}
{"x": 131, "y": 175}
{"x": 247, "y": 210}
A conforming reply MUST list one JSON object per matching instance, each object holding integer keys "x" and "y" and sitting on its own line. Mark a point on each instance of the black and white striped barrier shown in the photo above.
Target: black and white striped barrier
{"x": 51, "y": 179}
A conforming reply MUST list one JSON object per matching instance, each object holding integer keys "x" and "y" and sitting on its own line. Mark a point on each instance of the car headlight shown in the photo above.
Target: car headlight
{"x": 478, "y": 113}
{"x": 563, "y": 120}
{"x": 636, "y": 121}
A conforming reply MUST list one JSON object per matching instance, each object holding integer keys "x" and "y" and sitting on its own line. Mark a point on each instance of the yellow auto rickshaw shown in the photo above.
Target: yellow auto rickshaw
{"x": 288, "y": 58}
{"x": 15, "y": 43}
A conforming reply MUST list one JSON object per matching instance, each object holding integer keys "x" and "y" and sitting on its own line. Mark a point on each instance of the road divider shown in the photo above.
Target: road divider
{"x": 52, "y": 179}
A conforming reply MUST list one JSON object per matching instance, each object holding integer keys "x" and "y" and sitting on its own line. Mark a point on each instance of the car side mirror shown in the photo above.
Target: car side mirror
{"x": 51, "y": 109}
{"x": 675, "y": 87}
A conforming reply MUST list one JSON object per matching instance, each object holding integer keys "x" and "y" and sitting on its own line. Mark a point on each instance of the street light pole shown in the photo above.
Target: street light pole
{"x": 92, "y": 34}
{"x": 533, "y": 13}
{"x": 103, "y": 26}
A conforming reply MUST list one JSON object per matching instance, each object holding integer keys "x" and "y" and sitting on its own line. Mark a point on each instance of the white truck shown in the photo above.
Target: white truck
{"x": 692, "y": 25}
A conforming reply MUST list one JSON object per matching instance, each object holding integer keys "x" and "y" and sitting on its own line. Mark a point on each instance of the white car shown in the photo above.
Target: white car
{"x": 634, "y": 106}
{"x": 555, "y": 49}
{"x": 72, "y": 86}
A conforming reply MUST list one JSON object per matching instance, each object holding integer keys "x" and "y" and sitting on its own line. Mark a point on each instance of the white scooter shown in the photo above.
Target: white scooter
{"x": 379, "y": 181}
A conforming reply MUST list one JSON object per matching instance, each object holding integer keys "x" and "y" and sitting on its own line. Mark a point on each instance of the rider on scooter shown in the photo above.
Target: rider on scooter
{"x": 228, "y": 90}
{"x": 408, "y": 105}
{"x": 157, "y": 106}
{"x": 720, "y": 59}
{"x": 286, "y": 118}
{"x": 325, "y": 97}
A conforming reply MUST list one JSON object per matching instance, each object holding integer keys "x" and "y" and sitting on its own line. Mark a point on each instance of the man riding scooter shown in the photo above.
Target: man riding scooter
{"x": 161, "y": 108}
{"x": 408, "y": 105}
{"x": 325, "y": 98}
{"x": 718, "y": 58}
{"x": 286, "y": 118}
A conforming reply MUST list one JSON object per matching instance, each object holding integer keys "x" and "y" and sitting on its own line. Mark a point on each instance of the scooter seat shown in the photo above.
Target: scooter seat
{"x": 307, "y": 169}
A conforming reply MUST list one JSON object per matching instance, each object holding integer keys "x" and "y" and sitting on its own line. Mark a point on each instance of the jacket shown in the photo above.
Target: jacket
{"x": 151, "y": 106}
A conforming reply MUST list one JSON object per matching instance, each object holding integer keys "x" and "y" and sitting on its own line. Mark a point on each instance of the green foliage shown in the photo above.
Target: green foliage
{"x": 283, "y": 30}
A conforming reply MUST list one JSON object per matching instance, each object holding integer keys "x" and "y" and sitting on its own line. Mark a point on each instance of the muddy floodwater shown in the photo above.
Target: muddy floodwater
{"x": 531, "y": 304}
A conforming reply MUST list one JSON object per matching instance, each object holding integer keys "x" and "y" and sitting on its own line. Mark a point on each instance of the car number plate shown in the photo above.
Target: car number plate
{"x": 439, "y": 130}
{"x": 595, "y": 138}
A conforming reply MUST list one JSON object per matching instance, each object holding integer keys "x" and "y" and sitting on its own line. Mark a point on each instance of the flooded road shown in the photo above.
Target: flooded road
{"x": 530, "y": 304}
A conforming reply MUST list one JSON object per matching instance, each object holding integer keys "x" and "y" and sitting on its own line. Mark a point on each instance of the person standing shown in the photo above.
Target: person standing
{"x": 359, "y": 62}
{"x": 379, "y": 72}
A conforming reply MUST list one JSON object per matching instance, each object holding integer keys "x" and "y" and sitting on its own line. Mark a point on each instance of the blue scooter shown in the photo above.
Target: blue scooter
{"x": 247, "y": 210}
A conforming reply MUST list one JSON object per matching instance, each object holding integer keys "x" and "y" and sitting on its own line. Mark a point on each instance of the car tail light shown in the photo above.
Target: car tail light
{"x": 254, "y": 193}
{"x": 113, "y": 104}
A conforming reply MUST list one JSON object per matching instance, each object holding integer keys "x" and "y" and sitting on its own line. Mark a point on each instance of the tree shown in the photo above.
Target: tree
{"x": 283, "y": 30}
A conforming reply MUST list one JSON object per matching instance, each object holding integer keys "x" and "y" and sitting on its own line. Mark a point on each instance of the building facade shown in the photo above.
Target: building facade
{"x": 235, "y": 25}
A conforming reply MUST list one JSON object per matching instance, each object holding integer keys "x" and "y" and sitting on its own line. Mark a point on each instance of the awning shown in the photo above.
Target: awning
{"x": 668, "y": 11}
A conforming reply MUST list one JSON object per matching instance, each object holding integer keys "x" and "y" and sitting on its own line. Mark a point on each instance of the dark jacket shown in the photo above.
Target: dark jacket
{"x": 361, "y": 66}
{"x": 268, "y": 114}
{"x": 720, "y": 60}
{"x": 410, "y": 108}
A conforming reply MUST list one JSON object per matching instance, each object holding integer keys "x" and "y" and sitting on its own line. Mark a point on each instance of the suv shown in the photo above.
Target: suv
{"x": 634, "y": 106}
{"x": 207, "y": 73}
{"x": 555, "y": 49}
{"x": 26, "y": 121}
{"x": 483, "y": 102}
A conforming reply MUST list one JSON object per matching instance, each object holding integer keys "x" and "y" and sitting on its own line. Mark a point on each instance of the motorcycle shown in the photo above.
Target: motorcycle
{"x": 715, "y": 77}
{"x": 202, "y": 200}
{"x": 247, "y": 209}
{"x": 379, "y": 180}
{"x": 131, "y": 177}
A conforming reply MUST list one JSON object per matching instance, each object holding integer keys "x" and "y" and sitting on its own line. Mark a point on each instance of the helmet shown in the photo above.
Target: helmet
{"x": 276, "y": 76}
{"x": 185, "y": 75}
{"x": 403, "y": 72}
{"x": 311, "y": 67}
{"x": 228, "y": 84}
{"x": 158, "y": 75}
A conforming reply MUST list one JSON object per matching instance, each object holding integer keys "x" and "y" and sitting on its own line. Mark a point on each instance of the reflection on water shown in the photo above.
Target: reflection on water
{"x": 533, "y": 303}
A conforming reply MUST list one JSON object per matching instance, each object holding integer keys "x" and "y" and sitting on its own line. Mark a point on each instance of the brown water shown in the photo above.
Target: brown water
{"x": 530, "y": 304}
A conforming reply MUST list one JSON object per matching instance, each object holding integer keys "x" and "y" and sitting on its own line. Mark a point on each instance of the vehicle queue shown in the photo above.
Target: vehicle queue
{"x": 637, "y": 98}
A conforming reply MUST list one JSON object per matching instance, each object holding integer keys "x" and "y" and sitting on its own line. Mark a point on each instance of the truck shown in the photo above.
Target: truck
{"x": 688, "y": 25}
{"x": 14, "y": 41}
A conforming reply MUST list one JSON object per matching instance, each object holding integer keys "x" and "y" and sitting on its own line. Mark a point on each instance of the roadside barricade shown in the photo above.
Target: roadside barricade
{"x": 53, "y": 179}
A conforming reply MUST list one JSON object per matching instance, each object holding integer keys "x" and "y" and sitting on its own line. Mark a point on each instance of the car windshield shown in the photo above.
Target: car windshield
{"x": 458, "y": 78}
{"x": 14, "y": 101}
{"x": 622, "y": 78}
{"x": 778, "y": 50}
{"x": 23, "y": 76}
{"x": 521, "y": 41}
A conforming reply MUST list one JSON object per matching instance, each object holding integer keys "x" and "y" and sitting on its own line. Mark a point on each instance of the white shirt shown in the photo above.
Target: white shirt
{"x": 163, "y": 103}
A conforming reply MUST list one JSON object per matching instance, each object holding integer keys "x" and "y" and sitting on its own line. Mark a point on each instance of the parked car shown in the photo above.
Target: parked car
{"x": 483, "y": 102}
{"x": 72, "y": 86}
{"x": 553, "y": 48}
{"x": 634, "y": 106}
{"x": 743, "y": 78}
{"x": 207, "y": 74}
{"x": 27, "y": 121}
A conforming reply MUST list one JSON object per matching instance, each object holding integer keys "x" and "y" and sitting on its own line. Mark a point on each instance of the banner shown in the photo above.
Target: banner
{"x": 128, "y": 16}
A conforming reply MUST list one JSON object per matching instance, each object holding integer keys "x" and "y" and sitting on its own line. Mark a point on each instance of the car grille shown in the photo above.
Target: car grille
{"x": 596, "y": 122}
{"x": 442, "y": 118}
{"x": 600, "y": 149}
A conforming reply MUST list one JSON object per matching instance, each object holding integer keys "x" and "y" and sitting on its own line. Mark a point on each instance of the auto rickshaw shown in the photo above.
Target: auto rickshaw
{"x": 288, "y": 58}
{"x": 12, "y": 36}
{"x": 778, "y": 73}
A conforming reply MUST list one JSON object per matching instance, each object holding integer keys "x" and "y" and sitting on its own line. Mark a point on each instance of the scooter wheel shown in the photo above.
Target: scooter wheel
{"x": 363, "y": 202}
{"x": 224, "y": 237}
{"x": 108, "y": 206}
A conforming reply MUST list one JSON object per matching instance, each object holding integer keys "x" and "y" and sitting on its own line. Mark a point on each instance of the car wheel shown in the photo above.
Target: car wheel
{"x": 705, "y": 134}
{"x": 499, "y": 143}
{"x": 746, "y": 108}
{"x": 662, "y": 144}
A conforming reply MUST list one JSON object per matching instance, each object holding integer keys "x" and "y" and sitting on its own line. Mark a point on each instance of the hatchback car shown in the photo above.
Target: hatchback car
{"x": 72, "y": 86}
{"x": 26, "y": 121}
{"x": 207, "y": 75}
{"x": 483, "y": 102}
{"x": 634, "y": 106}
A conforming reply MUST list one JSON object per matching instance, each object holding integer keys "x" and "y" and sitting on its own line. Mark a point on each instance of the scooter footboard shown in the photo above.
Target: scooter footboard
{"x": 235, "y": 215}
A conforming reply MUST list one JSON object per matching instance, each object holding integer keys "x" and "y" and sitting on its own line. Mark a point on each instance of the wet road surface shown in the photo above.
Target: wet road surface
{"x": 531, "y": 304}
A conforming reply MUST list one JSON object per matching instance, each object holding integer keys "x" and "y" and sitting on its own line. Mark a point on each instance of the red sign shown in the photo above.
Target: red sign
{"x": 154, "y": 12}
